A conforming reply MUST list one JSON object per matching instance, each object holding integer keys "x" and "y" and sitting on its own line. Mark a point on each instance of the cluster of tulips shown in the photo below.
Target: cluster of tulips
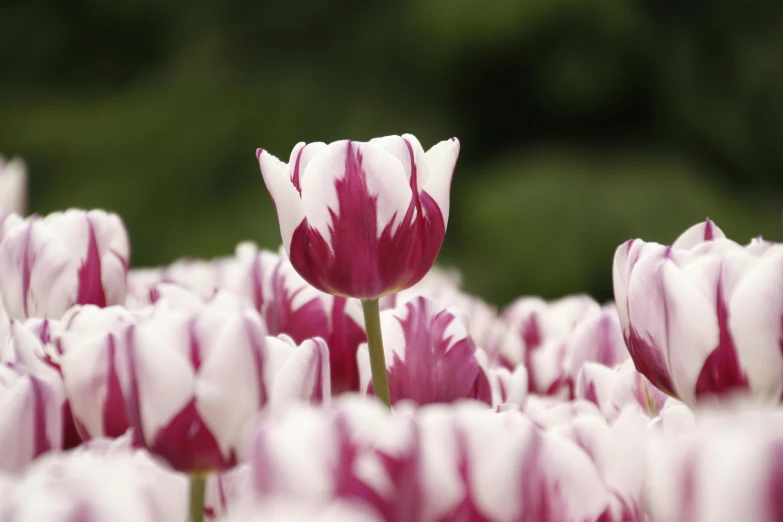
{"x": 344, "y": 379}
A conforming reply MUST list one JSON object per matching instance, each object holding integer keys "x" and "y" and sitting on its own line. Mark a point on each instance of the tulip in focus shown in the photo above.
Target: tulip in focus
{"x": 67, "y": 258}
{"x": 362, "y": 219}
{"x": 702, "y": 318}
{"x": 30, "y": 418}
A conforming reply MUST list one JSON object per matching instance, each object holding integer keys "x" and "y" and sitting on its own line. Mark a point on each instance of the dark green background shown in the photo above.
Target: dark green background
{"x": 582, "y": 123}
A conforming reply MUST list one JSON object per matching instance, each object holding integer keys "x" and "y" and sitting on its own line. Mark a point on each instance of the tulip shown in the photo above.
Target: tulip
{"x": 537, "y": 336}
{"x": 50, "y": 264}
{"x": 290, "y": 306}
{"x": 442, "y": 462}
{"x": 702, "y": 318}
{"x": 95, "y": 486}
{"x": 617, "y": 452}
{"x": 197, "y": 371}
{"x": 430, "y": 356}
{"x": 362, "y": 219}
{"x": 613, "y": 389}
{"x": 728, "y": 468}
{"x": 92, "y": 360}
{"x": 13, "y": 188}
{"x": 30, "y": 418}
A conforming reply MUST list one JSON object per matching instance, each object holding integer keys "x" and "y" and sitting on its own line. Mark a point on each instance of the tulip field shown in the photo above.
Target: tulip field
{"x": 345, "y": 377}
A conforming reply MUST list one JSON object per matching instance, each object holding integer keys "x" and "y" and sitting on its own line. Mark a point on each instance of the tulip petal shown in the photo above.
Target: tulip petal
{"x": 290, "y": 211}
{"x": 441, "y": 161}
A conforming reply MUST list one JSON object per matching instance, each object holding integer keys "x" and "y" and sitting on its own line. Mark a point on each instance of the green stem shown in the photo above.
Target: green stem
{"x": 198, "y": 483}
{"x": 372, "y": 321}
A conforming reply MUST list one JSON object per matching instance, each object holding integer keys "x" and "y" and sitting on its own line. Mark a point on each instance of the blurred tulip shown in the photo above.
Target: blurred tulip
{"x": 728, "y": 468}
{"x": 13, "y": 188}
{"x": 30, "y": 418}
{"x": 290, "y": 306}
{"x": 596, "y": 339}
{"x": 197, "y": 373}
{"x": 362, "y": 219}
{"x": 537, "y": 337}
{"x": 618, "y": 454}
{"x": 281, "y": 510}
{"x": 430, "y": 357}
{"x": 96, "y": 486}
{"x": 702, "y": 318}
{"x": 613, "y": 389}
{"x": 50, "y": 264}
{"x": 92, "y": 360}
{"x": 437, "y": 463}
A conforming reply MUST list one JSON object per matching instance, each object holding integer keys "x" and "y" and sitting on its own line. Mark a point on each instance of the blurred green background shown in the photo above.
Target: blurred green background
{"x": 582, "y": 122}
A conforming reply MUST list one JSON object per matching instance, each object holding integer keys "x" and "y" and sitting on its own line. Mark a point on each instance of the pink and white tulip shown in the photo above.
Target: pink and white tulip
{"x": 443, "y": 462}
{"x": 538, "y": 335}
{"x": 95, "y": 486}
{"x": 290, "y": 306}
{"x": 702, "y": 318}
{"x": 728, "y": 468}
{"x": 430, "y": 358}
{"x": 614, "y": 389}
{"x": 362, "y": 219}
{"x": 281, "y": 510}
{"x": 30, "y": 418}
{"x": 197, "y": 372}
{"x": 67, "y": 258}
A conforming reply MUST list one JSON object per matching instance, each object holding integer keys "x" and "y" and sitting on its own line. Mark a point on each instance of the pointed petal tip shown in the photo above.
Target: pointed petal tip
{"x": 259, "y": 151}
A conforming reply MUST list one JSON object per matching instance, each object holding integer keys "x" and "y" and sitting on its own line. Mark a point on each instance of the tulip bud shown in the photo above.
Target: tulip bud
{"x": 362, "y": 219}
{"x": 702, "y": 318}
{"x": 30, "y": 418}
{"x": 50, "y": 264}
{"x": 430, "y": 357}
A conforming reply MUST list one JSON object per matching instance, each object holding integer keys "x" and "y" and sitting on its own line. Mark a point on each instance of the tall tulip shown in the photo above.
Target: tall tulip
{"x": 363, "y": 219}
{"x": 702, "y": 318}
{"x": 67, "y": 258}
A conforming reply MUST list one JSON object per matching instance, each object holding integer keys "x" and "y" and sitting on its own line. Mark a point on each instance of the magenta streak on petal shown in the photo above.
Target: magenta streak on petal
{"x": 71, "y": 434}
{"x": 541, "y": 501}
{"x": 466, "y": 511}
{"x": 530, "y": 332}
{"x": 317, "y": 394}
{"x": 358, "y": 263}
{"x": 193, "y": 345}
{"x": 40, "y": 442}
{"x": 257, "y": 283}
{"x": 435, "y": 369}
{"x": 721, "y": 371}
{"x": 132, "y": 401}
{"x": 346, "y": 484}
{"x": 403, "y": 470}
{"x": 344, "y": 340}
{"x": 775, "y": 482}
{"x": 90, "y": 284}
{"x": 188, "y": 445}
{"x": 590, "y": 394}
{"x": 605, "y": 353}
{"x": 308, "y": 321}
{"x": 647, "y": 360}
{"x": 262, "y": 464}
{"x": 115, "y": 417}
{"x": 296, "y": 175}
{"x": 257, "y": 343}
{"x": 709, "y": 232}
{"x": 28, "y": 260}
{"x": 689, "y": 509}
